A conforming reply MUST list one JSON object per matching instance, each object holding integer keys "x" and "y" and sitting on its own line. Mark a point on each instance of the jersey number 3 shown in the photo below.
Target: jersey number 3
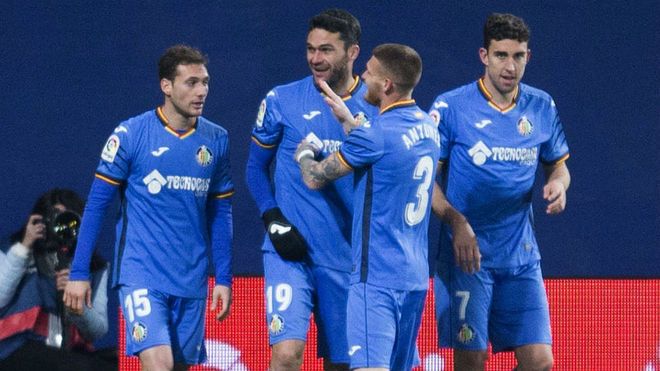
{"x": 415, "y": 211}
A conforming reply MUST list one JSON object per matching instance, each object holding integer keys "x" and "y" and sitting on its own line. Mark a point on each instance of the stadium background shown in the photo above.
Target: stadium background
{"x": 73, "y": 70}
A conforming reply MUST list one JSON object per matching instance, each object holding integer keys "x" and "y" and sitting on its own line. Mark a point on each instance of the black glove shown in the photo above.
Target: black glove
{"x": 288, "y": 242}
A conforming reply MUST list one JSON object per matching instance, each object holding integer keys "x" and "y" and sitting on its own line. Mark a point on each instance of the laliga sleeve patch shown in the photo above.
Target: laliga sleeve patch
{"x": 110, "y": 149}
{"x": 260, "y": 115}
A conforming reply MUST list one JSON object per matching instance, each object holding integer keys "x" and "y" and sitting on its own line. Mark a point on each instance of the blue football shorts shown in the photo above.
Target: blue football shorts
{"x": 154, "y": 318}
{"x": 506, "y": 306}
{"x": 295, "y": 290}
{"x": 383, "y": 325}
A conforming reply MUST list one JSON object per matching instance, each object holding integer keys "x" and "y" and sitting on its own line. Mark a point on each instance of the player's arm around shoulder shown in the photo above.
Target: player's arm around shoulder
{"x": 316, "y": 174}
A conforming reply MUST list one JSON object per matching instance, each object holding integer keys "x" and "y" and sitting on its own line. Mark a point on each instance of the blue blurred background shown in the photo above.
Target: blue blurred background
{"x": 72, "y": 70}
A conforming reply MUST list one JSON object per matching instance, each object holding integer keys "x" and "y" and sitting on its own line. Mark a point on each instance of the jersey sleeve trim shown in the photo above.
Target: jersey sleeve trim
{"x": 223, "y": 194}
{"x": 108, "y": 179}
{"x": 262, "y": 145}
{"x": 557, "y": 161}
{"x": 343, "y": 160}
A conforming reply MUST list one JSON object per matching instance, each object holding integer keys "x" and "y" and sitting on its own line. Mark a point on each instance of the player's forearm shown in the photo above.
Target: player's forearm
{"x": 443, "y": 209}
{"x": 258, "y": 177}
{"x": 312, "y": 174}
{"x": 558, "y": 173}
{"x": 317, "y": 174}
{"x": 221, "y": 240}
{"x": 99, "y": 199}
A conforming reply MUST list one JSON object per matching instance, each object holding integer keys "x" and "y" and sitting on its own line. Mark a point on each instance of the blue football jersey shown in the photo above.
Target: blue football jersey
{"x": 166, "y": 178}
{"x": 395, "y": 158}
{"x": 492, "y": 156}
{"x": 286, "y": 116}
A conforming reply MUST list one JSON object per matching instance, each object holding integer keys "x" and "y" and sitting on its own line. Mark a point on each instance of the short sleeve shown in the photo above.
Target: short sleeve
{"x": 267, "y": 130}
{"x": 556, "y": 147}
{"x": 116, "y": 154}
{"x": 440, "y": 112}
{"x": 363, "y": 146}
{"x": 221, "y": 183}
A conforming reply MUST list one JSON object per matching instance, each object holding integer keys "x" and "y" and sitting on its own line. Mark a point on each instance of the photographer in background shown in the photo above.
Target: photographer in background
{"x": 35, "y": 331}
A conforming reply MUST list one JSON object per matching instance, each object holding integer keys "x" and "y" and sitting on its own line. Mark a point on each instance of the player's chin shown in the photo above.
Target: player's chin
{"x": 196, "y": 110}
{"x": 321, "y": 75}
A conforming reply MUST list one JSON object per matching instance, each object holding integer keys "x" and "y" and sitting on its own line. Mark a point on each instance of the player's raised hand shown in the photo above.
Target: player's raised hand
{"x": 338, "y": 107}
{"x": 221, "y": 300}
{"x": 466, "y": 248}
{"x": 555, "y": 193}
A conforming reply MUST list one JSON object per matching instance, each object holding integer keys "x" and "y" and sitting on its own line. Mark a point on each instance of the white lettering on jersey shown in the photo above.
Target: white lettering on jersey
{"x": 155, "y": 182}
{"x": 187, "y": 183}
{"x": 331, "y": 146}
{"x": 525, "y": 156}
{"x": 420, "y": 132}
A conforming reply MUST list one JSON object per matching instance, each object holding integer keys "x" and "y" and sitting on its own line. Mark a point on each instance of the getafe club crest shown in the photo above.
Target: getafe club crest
{"x": 276, "y": 324}
{"x": 139, "y": 332}
{"x": 204, "y": 156}
{"x": 525, "y": 126}
{"x": 465, "y": 334}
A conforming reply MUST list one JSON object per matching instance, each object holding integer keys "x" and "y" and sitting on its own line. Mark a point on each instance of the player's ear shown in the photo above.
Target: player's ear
{"x": 483, "y": 55}
{"x": 388, "y": 85}
{"x": 529, "y": 55}
{"x": 353, "y": 52}
{"x": 166, "y": 86}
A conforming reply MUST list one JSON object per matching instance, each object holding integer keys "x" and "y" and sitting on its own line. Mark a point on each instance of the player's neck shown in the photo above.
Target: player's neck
{"x": 387, "y": 100}
{"x": 497, "y": 97}
{"x": 344, "y": 86}
{"x": 176, "y": 120}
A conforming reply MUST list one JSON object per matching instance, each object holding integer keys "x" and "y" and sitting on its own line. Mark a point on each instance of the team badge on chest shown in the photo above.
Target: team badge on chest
{"x": 204, "y": 156}
{"x": 525, "y": 126}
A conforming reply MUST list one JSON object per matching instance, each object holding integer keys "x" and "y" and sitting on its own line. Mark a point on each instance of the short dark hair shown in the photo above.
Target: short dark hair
{"x": 176, "y": 55}
{"x": 338, "y": 20}
{"x": 501, "y": 26}
{"x": 402, "y": 63}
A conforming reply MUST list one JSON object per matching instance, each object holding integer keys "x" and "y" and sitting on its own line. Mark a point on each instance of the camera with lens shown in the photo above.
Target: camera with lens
{"x": 62, "y": 234}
